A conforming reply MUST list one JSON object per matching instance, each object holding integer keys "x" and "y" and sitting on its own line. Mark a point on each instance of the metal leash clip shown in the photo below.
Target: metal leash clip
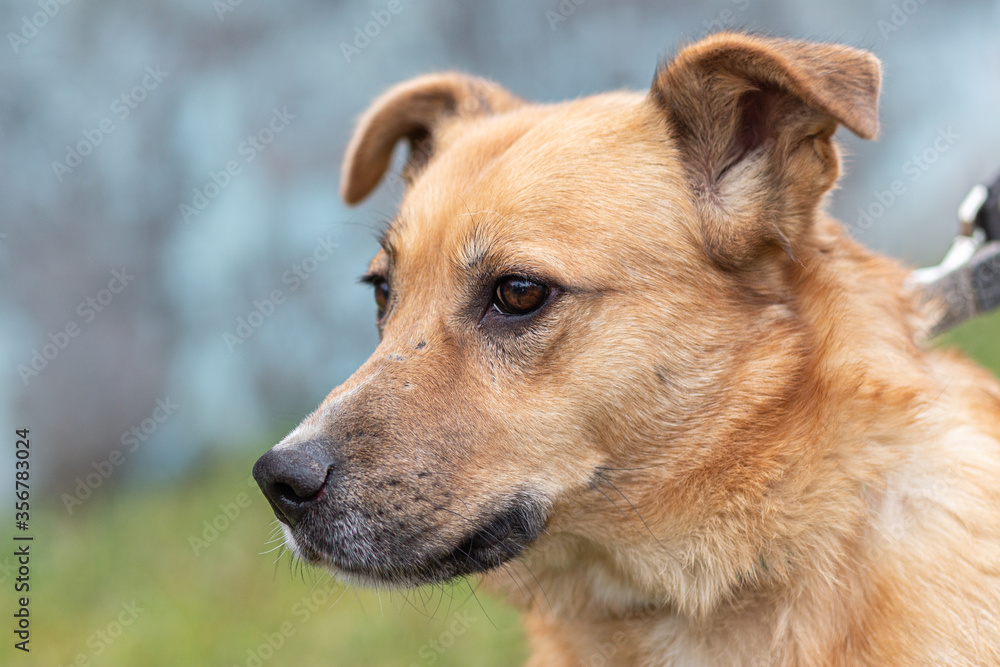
{"x": 967, "y": 282}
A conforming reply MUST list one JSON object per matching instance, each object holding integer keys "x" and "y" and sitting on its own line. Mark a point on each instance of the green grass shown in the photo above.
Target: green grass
{"x": 980, "y": 339}
{"x": 215, "y": 607}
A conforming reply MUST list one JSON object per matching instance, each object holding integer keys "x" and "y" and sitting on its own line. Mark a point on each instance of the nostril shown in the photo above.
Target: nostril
{"x": 292, "y": 494}
{"x": 285, "y": 490}
{"x": 293, "y": 478}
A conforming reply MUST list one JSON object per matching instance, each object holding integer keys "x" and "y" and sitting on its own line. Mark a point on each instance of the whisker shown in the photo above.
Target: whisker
{"x": 540, "y": 587}
{"x": 653, "y": 465}
{"x": 634, "y": 509}
{"x": 272, "y": 549}
{"x": 479, "y": 602}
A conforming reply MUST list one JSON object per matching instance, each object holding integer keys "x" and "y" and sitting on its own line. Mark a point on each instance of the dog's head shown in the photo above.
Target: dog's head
{"x": 570, "y": 291}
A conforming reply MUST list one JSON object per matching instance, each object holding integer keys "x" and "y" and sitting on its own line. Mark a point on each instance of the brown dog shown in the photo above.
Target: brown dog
{"x": 630, "y": 369}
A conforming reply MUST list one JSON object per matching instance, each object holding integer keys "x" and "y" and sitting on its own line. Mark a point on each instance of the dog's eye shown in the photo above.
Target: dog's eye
{"x": 516, "y": 295}
{"x": 381, "y": 295}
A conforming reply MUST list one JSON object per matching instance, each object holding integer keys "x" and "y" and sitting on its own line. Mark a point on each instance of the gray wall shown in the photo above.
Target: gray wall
{"x": 216, "y": 77}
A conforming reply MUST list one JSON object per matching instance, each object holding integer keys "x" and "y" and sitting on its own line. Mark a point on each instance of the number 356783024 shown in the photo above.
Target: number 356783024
{"x": 21, "y": 475}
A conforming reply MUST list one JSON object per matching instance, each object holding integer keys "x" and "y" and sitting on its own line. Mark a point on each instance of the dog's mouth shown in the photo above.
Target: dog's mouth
{"x": 413, "y": 554}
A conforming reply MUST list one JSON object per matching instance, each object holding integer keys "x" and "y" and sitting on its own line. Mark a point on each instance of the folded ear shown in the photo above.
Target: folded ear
{"x": 753, "y": 118}
{"x": 412, "y": 110}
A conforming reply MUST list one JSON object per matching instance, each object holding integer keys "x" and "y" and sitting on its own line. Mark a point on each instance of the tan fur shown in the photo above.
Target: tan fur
{"x": 750, "y": 454}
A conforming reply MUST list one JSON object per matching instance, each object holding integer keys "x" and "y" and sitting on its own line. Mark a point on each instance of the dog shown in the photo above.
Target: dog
{"x": 634, "y": 377}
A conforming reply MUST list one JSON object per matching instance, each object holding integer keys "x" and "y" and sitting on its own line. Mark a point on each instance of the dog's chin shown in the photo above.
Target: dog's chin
{"x": 501, "y": 538}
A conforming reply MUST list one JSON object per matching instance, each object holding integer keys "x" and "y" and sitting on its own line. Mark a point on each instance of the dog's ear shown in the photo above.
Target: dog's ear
{"x": 412, "y": 110}
{"x": 753, "y": 118}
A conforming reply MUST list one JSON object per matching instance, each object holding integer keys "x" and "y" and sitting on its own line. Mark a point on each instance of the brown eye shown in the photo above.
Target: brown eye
{"x": 381, "y": 296}
{"x": 516, "y": 295}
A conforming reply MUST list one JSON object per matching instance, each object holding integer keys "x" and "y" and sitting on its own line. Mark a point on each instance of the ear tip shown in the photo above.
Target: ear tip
{"x": 869, "y": 126}
{"x": 350, "y": 197}
{"x": 351, "y": 191}
{"x": 872, "y": 128}
{"x": 862, "y": 120}
{"x": 867, "y": 130}
{"x": 358, "y": 178}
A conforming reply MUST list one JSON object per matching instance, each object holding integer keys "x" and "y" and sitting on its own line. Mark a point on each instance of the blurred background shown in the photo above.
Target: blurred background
{"x": 179, "y": 277}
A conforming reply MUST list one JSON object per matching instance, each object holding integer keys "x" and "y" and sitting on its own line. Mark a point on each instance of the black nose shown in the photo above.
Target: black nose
{"x": 294, "y": 477}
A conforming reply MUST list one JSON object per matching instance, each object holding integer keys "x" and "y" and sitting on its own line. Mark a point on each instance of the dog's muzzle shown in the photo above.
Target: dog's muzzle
{"x": 392, "y": 526}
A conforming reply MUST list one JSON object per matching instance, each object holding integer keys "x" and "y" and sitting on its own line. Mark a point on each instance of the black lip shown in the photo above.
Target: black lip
{"x": 504, "y": 535}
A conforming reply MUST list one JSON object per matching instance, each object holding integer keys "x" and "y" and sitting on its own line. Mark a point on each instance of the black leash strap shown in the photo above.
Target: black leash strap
{"x": 988, "y": 216}
{"x": 967, "y": 282}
